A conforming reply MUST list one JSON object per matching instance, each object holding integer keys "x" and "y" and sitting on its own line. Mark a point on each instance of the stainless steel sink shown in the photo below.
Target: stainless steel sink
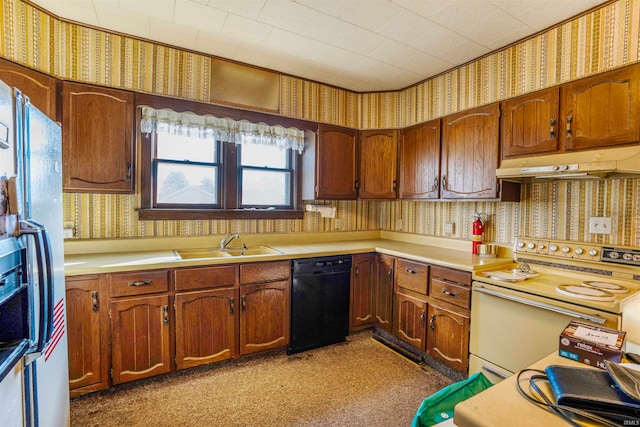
{"x": 204, "y": 253}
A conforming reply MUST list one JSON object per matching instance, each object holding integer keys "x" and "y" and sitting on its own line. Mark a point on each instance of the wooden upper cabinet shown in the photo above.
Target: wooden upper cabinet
{"x": 602, "y": 110}
{"x": 530, "y": 124}
{"x": 97, "y": 139}
{"x": 334, "y": 158}
{"x": 40, "y": 88}
{"x": 470, "y": 143}
{"x": 378, "y": 164}
{"x": 420, "y": 161}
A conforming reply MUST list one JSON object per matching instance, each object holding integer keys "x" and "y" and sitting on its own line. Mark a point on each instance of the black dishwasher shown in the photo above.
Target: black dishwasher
{"x": 319, "y": 302}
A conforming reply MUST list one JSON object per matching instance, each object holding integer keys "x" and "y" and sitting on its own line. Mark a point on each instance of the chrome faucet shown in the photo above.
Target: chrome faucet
{"x": 227, "y": 239}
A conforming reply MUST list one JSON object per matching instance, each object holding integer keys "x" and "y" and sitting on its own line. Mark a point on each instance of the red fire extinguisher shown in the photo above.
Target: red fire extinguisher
{"x": 478, "y": 230}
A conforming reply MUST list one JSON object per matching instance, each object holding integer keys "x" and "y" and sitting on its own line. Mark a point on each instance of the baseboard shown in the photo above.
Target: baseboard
{"x": 397, "y": 349}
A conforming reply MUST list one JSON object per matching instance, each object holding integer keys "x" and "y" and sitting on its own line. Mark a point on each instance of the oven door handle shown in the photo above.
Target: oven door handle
{"x": 592, "y": 318}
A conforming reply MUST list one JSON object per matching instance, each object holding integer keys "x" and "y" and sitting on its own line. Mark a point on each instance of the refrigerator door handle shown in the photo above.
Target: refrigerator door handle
{"x": 45, "y": 269}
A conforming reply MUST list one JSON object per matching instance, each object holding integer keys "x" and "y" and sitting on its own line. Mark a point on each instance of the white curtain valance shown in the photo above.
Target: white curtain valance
{"x": 225, "y": 129}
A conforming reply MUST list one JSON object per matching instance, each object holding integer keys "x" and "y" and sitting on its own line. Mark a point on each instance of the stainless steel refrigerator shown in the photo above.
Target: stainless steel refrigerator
{"x": 33, "y": 342}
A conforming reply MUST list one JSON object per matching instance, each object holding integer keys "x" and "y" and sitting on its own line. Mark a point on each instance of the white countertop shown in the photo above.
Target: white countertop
{"x": 125, "y": 257}
{"x": 502, "y": 404}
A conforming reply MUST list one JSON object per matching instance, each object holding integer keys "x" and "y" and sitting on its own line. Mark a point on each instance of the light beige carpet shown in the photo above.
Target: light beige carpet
{"x": 357, "y": 383}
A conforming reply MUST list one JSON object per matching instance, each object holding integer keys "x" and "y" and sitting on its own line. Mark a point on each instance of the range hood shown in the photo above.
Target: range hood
{"x": 621, "y": 162}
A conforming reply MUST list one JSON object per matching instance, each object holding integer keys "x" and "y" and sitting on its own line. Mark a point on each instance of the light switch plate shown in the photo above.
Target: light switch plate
{"x": 449, "y": 227}
{"x": 67, "y": 233}
{"x": 600, "y": 225}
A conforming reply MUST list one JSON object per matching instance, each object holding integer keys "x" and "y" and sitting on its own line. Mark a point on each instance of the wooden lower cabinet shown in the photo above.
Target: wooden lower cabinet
{"x": 448, "y": 336}
{"x": 383, "y": 292}
{"x": 87, "y": 335}
{"x": 410, "y": 320}
{"x": 140, "y": 337}
{"x": 362, "y": 303}
{"x": 264, "y": 316}
{"x": 206, "y": 330}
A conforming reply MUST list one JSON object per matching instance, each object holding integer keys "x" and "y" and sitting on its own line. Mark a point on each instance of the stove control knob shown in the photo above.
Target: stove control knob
{"x": 531, "y": 245}
{"x": 627, "y": 257}
{"x": 521, "y": 244}
{"x": 593, "y": 252}
{"x": 636, "y": 257}
{"x": 614, "y": 255}
{"x": 542, "y": 246}
{"x": 553, "y": 248}
{"x": 578, "y": 251}
{"x": 566, "y": 249}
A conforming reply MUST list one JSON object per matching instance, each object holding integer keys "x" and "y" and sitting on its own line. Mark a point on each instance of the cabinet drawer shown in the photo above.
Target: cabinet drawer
{"x": 451, "y": 275}
{"x": 138, "y": 283}
{"x": 209, "y": 277}
{"x": 412, "y": 275}
{"x": 265, "y": 271}
{"x": 450, "y": 292}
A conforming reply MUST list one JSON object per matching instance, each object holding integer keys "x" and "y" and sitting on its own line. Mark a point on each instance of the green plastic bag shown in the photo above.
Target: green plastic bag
{"x": 439, "y": 406}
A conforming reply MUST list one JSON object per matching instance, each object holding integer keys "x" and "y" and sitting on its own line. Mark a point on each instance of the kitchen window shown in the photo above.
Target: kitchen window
{"x": 198, "y": 166}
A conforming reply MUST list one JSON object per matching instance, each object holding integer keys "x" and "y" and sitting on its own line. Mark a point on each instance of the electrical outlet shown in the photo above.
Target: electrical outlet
{"x": 600, "y": 225}
{"x": 449, "y": 227}
{"x": 68, "y": 224}
{"x": 339, "y": 224}
{"x": 399, "y": 224}
{"x": 67, "y": 233}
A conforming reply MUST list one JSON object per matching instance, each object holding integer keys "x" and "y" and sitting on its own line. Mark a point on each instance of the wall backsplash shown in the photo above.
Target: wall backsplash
{"x": 554, "y": 210}
{"x": 603, "y": 39}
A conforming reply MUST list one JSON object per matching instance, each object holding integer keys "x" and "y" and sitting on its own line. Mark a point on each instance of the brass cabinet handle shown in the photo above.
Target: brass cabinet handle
{"x": 444, "y": 182}
{"x": 410, "y": 271}
{"x": 390, "y": 274}
{"x": 95, "y": 304}
{"x": 243, "y": 304}
{"x": 165, "y": 315}
{"x": 129, "y": 172}
{"x": 395, "y": 185}
{"x": 140, "y": 282}
{"x": 569, "y": 121}
{"x": 357, "y": 271}
{"x": 434, "y": 187}
{"x": 448, "y": 292}
{"x": 552, "y": 131}
{"x": 432, "y": 322}
{"x": 422, "y": 317}
{"x": 231, "y": 305}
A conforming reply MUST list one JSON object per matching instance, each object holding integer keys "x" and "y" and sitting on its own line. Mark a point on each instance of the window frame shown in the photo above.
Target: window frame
{"x": 230, "y": 179}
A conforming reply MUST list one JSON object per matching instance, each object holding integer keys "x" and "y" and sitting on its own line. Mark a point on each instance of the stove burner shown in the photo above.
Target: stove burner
{"x": 586, "y": 292}
{"x": 611, "y": 287}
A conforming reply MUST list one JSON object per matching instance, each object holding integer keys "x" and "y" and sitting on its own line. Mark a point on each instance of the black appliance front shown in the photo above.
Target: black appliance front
{"x": 319, "y": 302}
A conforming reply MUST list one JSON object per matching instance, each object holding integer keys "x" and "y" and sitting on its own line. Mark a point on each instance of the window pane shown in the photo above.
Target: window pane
{"x": 264, "y": 156}
{"x": 176, "y": 147}
{"x": 265, "y": 188}
{"x": 188, "y": 184}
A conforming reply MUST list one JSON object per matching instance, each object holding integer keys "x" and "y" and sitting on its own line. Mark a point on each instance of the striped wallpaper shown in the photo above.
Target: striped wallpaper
{"x": 606, "y": 38}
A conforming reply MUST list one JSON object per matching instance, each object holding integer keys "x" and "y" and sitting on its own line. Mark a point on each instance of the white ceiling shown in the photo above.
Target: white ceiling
{"x": 362, "y": 45}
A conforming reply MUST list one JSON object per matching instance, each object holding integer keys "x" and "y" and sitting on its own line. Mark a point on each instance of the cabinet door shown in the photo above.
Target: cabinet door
{"x": 40, "y": 88}
{"x": 530, "y": 124}
{"x": 410, "y": 325}
{"x": 362, "y": 296}
{"x": 336, "y": 167}
{"x": 140, "y": 338}
{"x": 86, "y": 334}
{"x": 448, "y": 337}
{"x": 264, "y": 316}
{"x": 378, "y": 164}
{"x": 420, "y": 162}
{"x": 602, "y": 111}
{"x": 205, "y": 327}
{"x": 470, "y": 154}
{"x": 383, "y": 292}
{"x": 97, "y": 139}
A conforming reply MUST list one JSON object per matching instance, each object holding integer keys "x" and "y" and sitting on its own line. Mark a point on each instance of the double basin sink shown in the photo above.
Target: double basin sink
{"x": 213, "y": 253}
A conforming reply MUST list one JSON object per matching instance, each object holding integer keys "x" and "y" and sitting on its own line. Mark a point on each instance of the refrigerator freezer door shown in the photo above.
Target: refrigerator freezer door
{"x": 43, "y": 203}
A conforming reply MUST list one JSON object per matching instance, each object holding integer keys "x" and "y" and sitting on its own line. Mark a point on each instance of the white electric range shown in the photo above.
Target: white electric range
{"x": 517, "y": 314}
